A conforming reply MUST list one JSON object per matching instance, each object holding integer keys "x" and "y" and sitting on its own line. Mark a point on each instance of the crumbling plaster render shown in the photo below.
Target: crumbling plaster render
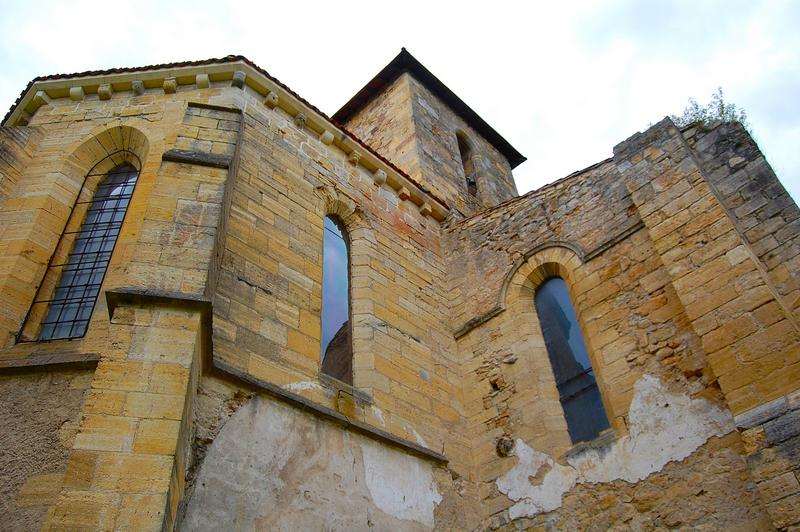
{"x": 272, "y": 467}
{"x": 664, "y": 426}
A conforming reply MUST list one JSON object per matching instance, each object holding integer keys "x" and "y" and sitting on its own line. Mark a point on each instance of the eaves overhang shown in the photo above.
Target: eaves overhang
{"x": 236, "y": 69}
{"x": 405, "y": 62}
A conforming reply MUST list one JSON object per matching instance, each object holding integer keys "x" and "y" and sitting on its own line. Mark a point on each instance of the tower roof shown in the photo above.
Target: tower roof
{"x": 405, "y": 62}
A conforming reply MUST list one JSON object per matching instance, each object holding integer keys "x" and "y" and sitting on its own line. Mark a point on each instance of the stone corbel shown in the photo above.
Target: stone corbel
{"x": 425, "y": 209}
{"x": 76, "y": 94}
{"x": 40, "y": 98}
{"x": 105, "y": 91}
{"x": 354, "y": 157}
{"x": 326, "y": 137}
{"x": 137, "y": 86}
{"x": 202, "y": 81}
{"x": 24, "y": 119}
{"x": 271, "y": 100}
{"x": 170, "y": 86}
{"x": 300, "y": 120}
{"x": 403, "y": 193}
{"x": 379, "y": 177}
{"x": 238, "y": 79}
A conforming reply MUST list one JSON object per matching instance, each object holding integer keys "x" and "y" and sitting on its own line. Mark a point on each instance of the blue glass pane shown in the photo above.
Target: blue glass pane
{"x": 336, "y": 351}
{"x": 577, "y": 387}
{"x": 82, "y": 274}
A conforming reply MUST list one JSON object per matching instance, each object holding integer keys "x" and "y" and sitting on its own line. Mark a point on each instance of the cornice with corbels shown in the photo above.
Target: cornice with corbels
{"x": 240, "y": 75}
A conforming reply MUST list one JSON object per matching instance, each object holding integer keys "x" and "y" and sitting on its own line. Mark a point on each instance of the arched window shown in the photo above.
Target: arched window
{"x": 465, "y": 150}
{"x": 336, "y": 350}
{"x": 577, "y": 387}
{"x": 68, "y": 294}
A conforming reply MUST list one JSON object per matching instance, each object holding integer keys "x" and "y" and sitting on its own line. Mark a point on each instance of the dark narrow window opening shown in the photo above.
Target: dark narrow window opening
{"x": 467, "y": 163}
{"x": 577, "y": 388}
{"x": 336, "y": 348}
{"x": 67, "y": 309}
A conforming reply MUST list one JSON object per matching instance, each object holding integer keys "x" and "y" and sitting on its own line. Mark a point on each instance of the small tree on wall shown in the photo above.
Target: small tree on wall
{"x": 717, "y": 110}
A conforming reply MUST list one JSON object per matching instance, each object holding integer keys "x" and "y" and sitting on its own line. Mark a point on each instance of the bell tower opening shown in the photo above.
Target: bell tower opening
{"x": 465, "y": 150}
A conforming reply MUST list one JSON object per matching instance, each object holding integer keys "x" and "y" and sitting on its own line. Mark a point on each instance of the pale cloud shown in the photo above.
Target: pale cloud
{"x": 563, "y": 83}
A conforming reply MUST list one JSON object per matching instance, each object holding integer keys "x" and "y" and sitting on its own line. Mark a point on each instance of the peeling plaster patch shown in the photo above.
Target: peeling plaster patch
{"x": 664, "y": 427}
{"x": 400, "y": 485}
{"x": 543, "y": 497}
{"x": 273, "y": 467}
{"x": 378, "y": 413}
{"x": 300, "y": 386}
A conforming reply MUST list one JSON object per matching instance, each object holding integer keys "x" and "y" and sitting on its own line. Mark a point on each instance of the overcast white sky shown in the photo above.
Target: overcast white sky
{"x": 562, "y": 83}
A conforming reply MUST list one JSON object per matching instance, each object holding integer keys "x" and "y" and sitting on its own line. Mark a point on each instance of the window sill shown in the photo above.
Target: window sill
{"x": 324, "y": 412}
{"x": 50, "y": 355}
{"x": 603, "y": 440}
{"x": 337, "y": 386}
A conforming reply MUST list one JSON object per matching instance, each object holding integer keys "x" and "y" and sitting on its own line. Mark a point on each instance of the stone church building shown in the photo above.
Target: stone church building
{"x": 222, "y": 309}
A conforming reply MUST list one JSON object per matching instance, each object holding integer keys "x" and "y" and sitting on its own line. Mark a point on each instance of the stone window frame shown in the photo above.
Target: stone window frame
{"x": 564, "y": 260}
{"x": 106, "y": 149}
{"x": 584, "y": 421}
{"x": 361, "y": 245}
{"x": 346, "y": 237}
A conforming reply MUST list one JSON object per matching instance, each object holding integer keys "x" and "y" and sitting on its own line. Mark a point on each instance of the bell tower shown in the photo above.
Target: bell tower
{"x": 417, "y": 122}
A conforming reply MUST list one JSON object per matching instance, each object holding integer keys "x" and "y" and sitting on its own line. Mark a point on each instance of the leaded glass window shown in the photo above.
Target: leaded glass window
{"x": 336, "y": 349}
{"x": 577, "y": 387}
{"x": 70, "y": 304}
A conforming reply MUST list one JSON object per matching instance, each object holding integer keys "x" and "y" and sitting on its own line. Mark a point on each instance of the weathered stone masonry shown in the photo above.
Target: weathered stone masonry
{"x": 195, "y": 400}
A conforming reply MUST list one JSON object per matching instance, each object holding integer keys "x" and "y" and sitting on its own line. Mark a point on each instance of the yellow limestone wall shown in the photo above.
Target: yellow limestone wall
{"x": 208, "y": 323}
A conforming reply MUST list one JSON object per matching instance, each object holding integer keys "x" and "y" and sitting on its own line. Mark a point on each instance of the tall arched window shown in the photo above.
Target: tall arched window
{"x": 577, "y": 387}
{"x": 68, "y": 294}
{"x": 336, "y": 350}
{"x": 465, "y": 150}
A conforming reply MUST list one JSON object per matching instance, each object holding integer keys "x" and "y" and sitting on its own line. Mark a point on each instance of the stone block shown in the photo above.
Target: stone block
{"x": 100, "y": 432}
{"x": 141, "y": 512}
{"x": 779, "y": 487}
{"x": 102, "y": 401}
{"x": 153, "y": 405}
{"x": 132, "y": 473}
{"x": 85, "y": 510}
{"x": 785, "y": 512}
{"x": 157, "y": 436}
{"x": 783, "y": 427}
{"x": 40, "y": 490}
{"x": 80, "y": 469}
